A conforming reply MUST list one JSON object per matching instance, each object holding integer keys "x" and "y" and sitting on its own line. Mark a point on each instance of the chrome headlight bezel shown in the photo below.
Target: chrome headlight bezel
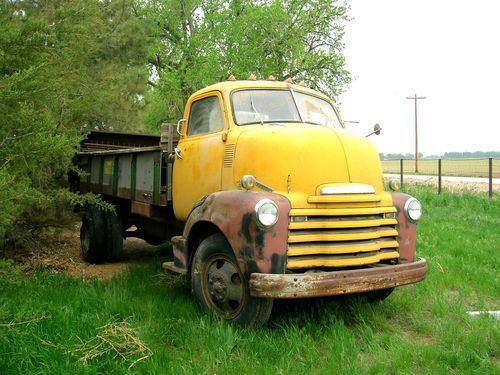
{"x": 413, "y": 210}
{"x": 266, "y": 219}
{"x": 248, "y": 182}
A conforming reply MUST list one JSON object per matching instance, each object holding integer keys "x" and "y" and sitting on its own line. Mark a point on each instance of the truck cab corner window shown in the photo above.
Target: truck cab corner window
{"x": 205, "y": 117}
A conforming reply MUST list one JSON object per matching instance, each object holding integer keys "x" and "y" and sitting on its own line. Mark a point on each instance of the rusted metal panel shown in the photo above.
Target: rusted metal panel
{"x": 181, "y": 254}
{"x": 255, "y": 249}
{"x": 145, "y": 196}
{"x": 123, "y": 193}
{"x": 147, "y": 210}
{"x": 141, "y": 208}
{"x": 407, "y": 230}
{"x": 337, "y": 282}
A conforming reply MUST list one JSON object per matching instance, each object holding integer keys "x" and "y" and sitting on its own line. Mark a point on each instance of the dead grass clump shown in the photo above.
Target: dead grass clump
{"x": 117, "y": 339}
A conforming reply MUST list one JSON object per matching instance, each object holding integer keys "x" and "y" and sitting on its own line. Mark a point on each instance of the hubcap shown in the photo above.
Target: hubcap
{"x": 224, "y": 287}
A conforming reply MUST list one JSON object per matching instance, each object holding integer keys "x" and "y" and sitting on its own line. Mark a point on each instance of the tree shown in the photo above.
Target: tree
{"x": 65, "y": 65}
{"x": 198, "y": 43}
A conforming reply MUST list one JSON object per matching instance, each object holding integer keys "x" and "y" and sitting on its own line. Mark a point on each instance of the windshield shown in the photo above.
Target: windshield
{"x": 260, "y": 106}
{"x": 270, "y": 105}
{"x": 317, "y": 111}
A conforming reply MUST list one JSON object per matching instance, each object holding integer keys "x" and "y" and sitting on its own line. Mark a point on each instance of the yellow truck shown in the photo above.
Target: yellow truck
{"x": 263, "y": 194}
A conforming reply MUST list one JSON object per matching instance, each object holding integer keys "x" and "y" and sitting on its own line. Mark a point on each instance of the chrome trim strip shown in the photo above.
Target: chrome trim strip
{"x": 348, "y": 189}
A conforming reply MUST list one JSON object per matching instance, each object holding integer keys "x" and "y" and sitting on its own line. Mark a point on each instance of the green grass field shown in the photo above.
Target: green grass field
{"x": 449, "y": 167}
{"x": 53, "y": 324}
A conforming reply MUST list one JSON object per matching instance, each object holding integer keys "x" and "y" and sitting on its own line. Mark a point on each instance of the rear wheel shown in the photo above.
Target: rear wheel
{"x": 114, "y": 234}
{"x": 93, "y": 236}
{"x": 219, "y": 285}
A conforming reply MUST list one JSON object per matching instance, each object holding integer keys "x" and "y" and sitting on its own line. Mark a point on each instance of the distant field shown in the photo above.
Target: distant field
{"x": 450, "y": 167}
{"x": 146, "y": 319}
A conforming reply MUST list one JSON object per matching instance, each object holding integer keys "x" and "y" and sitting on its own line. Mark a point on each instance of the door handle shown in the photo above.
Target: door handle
{"x": 178, "y": 153}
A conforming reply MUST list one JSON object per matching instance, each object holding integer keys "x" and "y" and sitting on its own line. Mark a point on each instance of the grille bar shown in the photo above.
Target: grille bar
{"x": 330, "y": 224}
{"x": 340, "y": 248}
{"x": 341, "y": 211}
{"x": 350, "y": 235}
{"x": 341, "y": 261}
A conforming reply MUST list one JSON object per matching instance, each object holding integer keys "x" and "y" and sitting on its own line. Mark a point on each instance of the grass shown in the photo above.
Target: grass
{"x": 449, "y": 167}
{"x": 51, "y": 324}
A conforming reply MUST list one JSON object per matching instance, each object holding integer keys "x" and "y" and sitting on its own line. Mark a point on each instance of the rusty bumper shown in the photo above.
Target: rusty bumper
{"x": 338, "y": 282}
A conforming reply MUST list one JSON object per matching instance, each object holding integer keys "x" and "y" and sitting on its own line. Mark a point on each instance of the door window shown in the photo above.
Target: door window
{"x": 205, "y": 116}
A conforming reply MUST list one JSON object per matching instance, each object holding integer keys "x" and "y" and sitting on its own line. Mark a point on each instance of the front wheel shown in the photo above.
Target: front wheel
{"x": 219, "y": 285}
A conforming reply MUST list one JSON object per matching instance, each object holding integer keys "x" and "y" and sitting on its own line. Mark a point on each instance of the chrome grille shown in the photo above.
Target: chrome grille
{"x": 346, "y": 237}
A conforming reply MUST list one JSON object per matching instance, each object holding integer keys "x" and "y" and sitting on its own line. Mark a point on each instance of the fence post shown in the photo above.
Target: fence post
{"x": 439, "y": 176}
{"x": 490, "y": 178}
{"x": 401, "y": 170}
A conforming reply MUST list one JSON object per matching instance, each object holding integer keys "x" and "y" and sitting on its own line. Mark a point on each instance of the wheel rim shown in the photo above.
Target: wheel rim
{"x": 223, "y": 286}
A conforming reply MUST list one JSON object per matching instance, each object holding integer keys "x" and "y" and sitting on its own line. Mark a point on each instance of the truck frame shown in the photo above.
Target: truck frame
{"x": 263, "y": 194}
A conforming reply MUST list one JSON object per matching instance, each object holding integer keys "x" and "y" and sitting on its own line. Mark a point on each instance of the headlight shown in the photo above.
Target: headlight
{"x": 394, "y": 184}
{"x": 413, "y": 209}
{"x": 266, "y": 213}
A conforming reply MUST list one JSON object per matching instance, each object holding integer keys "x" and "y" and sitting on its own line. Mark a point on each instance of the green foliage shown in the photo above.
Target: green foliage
{"x": 198, "y": 43}
{"x": 65, "y": 66}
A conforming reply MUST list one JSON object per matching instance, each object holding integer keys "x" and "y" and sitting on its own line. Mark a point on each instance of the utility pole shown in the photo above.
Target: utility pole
{"x": 416, "y": 98}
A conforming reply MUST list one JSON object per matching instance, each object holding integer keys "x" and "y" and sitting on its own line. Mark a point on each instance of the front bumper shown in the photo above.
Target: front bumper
{"x": 321, "y": 284}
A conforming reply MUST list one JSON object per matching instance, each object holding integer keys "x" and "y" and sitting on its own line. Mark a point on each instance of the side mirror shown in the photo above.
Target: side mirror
{"x": 376, "y": 130}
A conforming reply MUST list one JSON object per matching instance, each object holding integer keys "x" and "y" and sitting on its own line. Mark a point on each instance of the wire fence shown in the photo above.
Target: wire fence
{"x": 479, "y": 174}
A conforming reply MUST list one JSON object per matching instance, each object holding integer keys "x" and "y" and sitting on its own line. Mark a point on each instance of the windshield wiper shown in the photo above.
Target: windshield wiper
{"x": 255, "y": 110}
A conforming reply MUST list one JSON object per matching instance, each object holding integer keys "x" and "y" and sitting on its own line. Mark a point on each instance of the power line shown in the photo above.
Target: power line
{"x": 416, "y": 98}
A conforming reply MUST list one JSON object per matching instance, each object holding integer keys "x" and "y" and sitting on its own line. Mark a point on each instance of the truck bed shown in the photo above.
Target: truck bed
{"x": 134, "y": 167}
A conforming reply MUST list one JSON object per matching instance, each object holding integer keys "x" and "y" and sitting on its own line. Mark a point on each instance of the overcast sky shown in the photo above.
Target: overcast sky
{"x": 447, "y": 51}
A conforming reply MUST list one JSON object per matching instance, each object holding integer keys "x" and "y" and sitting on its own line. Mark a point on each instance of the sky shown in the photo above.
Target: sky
{"x": 447, "y": 51}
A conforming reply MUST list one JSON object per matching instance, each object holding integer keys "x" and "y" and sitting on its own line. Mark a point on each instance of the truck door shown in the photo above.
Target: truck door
{"x": 198, "y": 164}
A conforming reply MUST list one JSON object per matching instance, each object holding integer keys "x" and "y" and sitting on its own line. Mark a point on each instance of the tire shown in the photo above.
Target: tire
{"x": 219, "y": 285}
{"x": 114, "y": 236}
{"x": 93, "y": 236}
{"x": 378, "y": 295}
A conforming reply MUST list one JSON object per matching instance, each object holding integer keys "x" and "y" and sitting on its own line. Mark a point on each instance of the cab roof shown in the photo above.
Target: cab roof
{"x": 228, "y": 86}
